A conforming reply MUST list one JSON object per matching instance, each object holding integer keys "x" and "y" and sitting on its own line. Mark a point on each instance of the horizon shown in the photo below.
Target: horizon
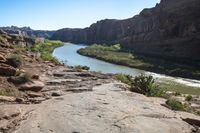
{"x": 54, "y": 15}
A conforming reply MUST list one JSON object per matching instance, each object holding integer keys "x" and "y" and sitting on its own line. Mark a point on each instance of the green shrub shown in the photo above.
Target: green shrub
{"x": 188, "y": 98}
{"x": 177, "y": 93}
{"x": 19, "y": 50}
{"x": 116, "y": 46}
{"x": 146, "y": 85}
{"x": 142, "y": 84}
{"x": 79, "y": 67}
{"x": 175, "y": 105}
{"x": 46, "y": 49}
{"x": 14, "y": 60}
{"x": 48, "y": 57}
{"x": 4, "y": 93}
{"x": 127, "y": 79}
{"x": 8, "y": 92}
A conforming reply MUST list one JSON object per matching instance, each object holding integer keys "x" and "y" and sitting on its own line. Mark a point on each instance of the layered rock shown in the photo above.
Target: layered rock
{"x": 28, "y": 32}
{"x": 9, "y": 40}
{"x": 170, "y": 30}
{"x": 6, "y": 70}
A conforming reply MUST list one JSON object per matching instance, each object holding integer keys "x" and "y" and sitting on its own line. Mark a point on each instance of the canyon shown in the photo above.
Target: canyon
{"x": 170, "y": 30}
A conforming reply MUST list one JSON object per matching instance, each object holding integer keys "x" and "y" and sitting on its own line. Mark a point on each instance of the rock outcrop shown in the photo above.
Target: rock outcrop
{"x": 6, "y": 70}
{"x": 35, "y": 86}
{"x": 28, "y": 32}
{"x": 9, "y": 40}
{"x": 170, "y": 30}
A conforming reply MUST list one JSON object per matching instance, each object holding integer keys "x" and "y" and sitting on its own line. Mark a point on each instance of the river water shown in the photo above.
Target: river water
{"x": 68, "y": 55}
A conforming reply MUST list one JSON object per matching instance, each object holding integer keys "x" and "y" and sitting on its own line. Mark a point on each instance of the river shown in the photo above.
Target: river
{"x": 68, "y": 55}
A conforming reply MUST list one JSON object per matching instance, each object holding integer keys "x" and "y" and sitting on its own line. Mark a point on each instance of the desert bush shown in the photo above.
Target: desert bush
{"x": 8, "y": 92}
{"x": 146, "y": 85}
{"x": 48, "y": 57}
{"x": 175, "y": 105}
{"x": 79, "y": 67}
{"x": 188, "y": 98}
{"x": 142, "y": 84}
{"x": 127, "y": 79}
{"x": 19, "y": 50}
{"x": 14, "y": 60}
{"x": 46, "y": 49}
{"x": 4, "y": 93}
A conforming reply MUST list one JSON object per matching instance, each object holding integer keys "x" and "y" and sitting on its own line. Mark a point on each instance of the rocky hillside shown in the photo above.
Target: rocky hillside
{"x": 28, "y": 32}
{"x": 11, "y": 40}
{"x": 170, "y": 30}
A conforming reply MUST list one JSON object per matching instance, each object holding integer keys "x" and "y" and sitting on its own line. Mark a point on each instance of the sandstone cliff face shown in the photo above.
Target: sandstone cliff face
{"x": 170, "y": 30}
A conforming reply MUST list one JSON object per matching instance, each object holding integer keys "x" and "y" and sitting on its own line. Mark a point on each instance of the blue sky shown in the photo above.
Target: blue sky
{"x": 56, "y": 14}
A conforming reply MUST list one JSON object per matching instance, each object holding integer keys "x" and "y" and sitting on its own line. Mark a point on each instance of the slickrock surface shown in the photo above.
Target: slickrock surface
{"x": 106, "y": 109}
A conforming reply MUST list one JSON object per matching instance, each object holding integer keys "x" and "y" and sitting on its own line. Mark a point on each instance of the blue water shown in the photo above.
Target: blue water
{"x": 68, "y": 55}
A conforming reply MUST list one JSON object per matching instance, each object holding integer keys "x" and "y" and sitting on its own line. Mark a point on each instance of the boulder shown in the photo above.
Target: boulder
{"x": 194, "y": 122}
{"x": 35, "y": 76}
{"x": 6, "y": 70}
{"x": 56, "y": 93}
{"x": 20, "y": 100}
{"x": 2, "y": 59}
{"x": 7, "y": 99}
{"x": 35, "y": 86}
{"x": 17, "y": 79}
{"x": 34, "y": 94}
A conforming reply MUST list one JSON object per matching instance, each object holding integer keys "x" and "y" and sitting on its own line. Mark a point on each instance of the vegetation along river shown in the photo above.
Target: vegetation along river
{"x": 68, "y": 55}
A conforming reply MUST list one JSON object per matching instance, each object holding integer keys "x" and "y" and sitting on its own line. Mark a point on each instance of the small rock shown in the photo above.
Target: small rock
{"x": 85, "y": 74}
{"x": 37, "y": 100}
{"x": 6, "y": 99}
{"x": 2, "y": 59}
{"x": 6, "y": 70}
{"x": 35, "y": 76}
{"x": 194, "y": 122}
{"x": 80, "y": 89}
{"x": 19, "y": 100}
{"x": 35, "y": 86}
{"x": 51, "y": 65}
{"x": 17, "y": 80}
{"x": 196, "y": 106}
{"x": 22, "y": 71}
{"x": 56, "y": 93}
{"x": 33, "y": 94}
{"x": 62, "y": 81}
{"x": 58, "y": 74}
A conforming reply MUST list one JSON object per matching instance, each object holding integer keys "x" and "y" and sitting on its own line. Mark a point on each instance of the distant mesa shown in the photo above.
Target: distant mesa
{"x": 28, "y": 32}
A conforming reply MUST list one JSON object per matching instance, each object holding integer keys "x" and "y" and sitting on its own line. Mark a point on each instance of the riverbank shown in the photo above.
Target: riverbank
{"x": 45, "y": 49}
{"x": 116, "y": 56}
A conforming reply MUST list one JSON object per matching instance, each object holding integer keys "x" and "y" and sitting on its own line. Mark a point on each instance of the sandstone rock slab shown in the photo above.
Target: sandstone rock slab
{"x": 7, "y": 99}
{"x": 35, "y": 86}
